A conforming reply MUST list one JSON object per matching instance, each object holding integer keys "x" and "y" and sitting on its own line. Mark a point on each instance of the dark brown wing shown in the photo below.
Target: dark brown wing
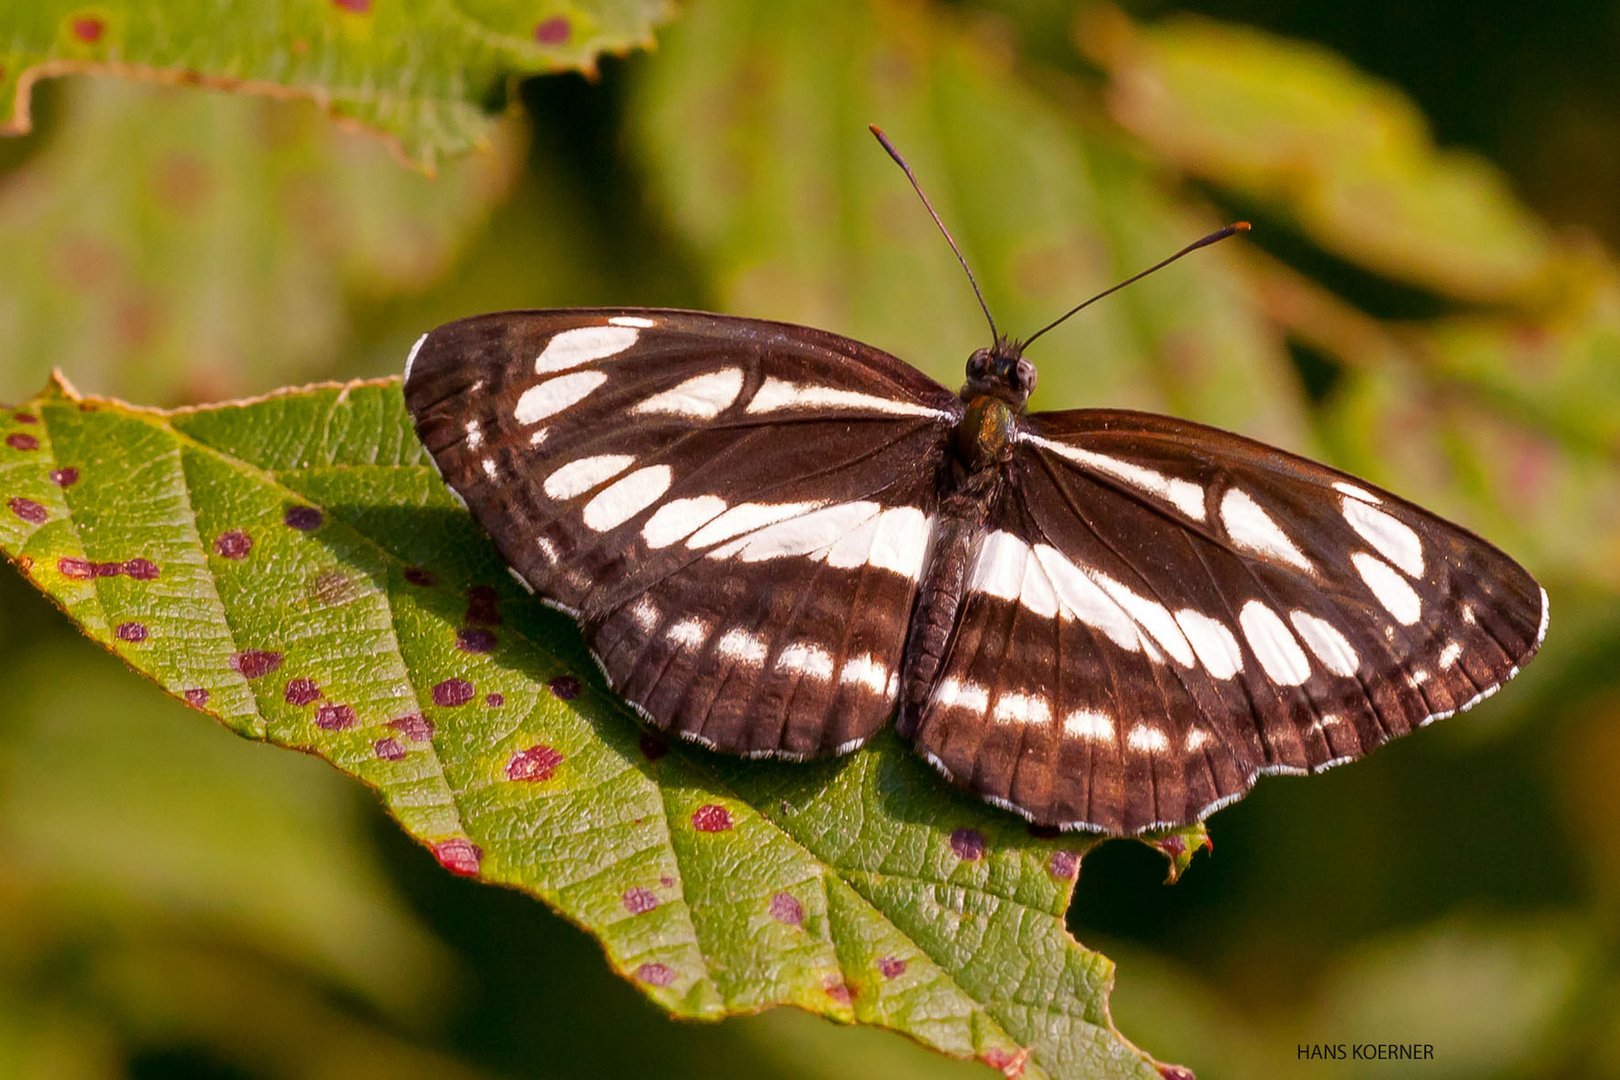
{"x": 736, "y": 511}
{"x": 1160, "y": 612}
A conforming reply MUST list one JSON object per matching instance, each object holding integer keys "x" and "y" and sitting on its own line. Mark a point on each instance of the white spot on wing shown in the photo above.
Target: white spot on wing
{"x": 1153, "y": 617}
{"x": 626, "y": 497}
{"x": 688, "y": 632}
{"x": 1215, "y": 645}
{"x": 865, "y": 671}
{"x": 1089, "y": 724}
{"x": 901, "y": 542}
{"x": 741, "y": 646}
{"x": 1197, "y": 739}
{"x": 745, "y": 518}
{"x": 679, "y": 518}
{"x": 702, "y": 397}
{"x": 1389, "y": 587}
{"x": 474, "y": 433}
{"x": 582, "y": 474}
{"x": 1279, "y": 654}
{"x": 631, "y": 320}
{"x": 645, "y": 615}
{"x": 1323, "y": 639}
{"x": 776, "y": 395}
{"x": 1354, "y": 492}
{"x": 488, "y": 465}
{"x": 583, "y": 344}
{"x": 1147, "y": 739}
{"x": 555, "y": 395}
{"x": 811, "y": 661}
{"x": 954, "y": 693}
{"x": 1393, "y": 539}
{"x": 1022, "y": 709}
{"x": 804, "y": 534}
{"x": 1252, "y": 529}
{"x": 1081, "y": 598}
{"x": 1449, "y": 654}
{"x": 1184, "y": 495}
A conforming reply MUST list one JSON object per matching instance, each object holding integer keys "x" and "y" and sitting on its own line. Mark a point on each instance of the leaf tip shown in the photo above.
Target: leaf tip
{"x": 61, "y": 388}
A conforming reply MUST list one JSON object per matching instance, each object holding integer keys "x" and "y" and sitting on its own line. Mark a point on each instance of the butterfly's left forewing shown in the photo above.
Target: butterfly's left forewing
{"x": 736, "y": 511}
{"x": 1158, "y": 612}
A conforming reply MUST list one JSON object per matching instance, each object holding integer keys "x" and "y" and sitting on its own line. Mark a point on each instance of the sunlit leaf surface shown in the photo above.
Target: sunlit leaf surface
{"x": 429, "y": 74}
{"x": 294, "y": 567}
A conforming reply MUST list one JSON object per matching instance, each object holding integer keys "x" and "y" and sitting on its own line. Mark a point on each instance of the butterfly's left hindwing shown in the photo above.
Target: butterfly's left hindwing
{"x": 1157, "y": 612}
{"x": 736, "y": 511}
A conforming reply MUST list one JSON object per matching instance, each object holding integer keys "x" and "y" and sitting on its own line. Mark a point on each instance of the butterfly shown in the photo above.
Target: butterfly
{"x": 776, "y": 540}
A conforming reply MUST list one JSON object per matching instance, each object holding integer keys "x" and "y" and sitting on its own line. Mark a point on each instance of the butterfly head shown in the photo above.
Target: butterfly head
{"x": 1002, "y": 372}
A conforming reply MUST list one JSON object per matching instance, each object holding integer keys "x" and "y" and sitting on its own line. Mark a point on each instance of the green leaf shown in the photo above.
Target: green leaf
{"x": 294, "y": 567}
{"x": 429, "y": 74}
{"x": 181, "y": 245}
{"x": 813, "y": 223}
{"x": 1350, "y": 157}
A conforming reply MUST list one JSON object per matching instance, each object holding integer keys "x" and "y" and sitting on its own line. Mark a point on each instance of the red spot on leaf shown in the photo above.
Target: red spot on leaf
{"x": 354, "y": 7}
{"x": 534, "y": 764}
{"x": 495, "y": 700}
{"x": 77, "y": 569}
{"x": 88, "y": 29}
{"x": 553, "y": 31}
{"x": 1063, "y": 865}
{"x": 452, "y": 692}
{"x": 29, "y": 510}
{"x": 1173, "y": 846}
{"x": 65, "y": 477}
{"x": 388, "y": 749}
{"x": 474, "y": 640}
{"x": 233, "y": 545}
{"x": 20, "y": 440}
{"x": 666, "y": 881}
{"x": 459, "y": 856}
{"x": 839, "y": 990}
{"x": 301, "y": 692}
{"x": 303, "y": 518}
{"x": 330, "y": 717}
{"x": 255, "y": 663}
{"x": 785, "y": 908}
{"x": 1010, "y": 1062}
{"x": 481, "y": 606}
{"x": 1176, "y": 1072}
{"x": 106, "y": 569}
{"x": 968, "y": 844}
{"x": 25, "y": 418}
{"x": 413, "y": 726}
{"x": 418, "y": 576}
{"x": 639, "y": 901}
{"x": 711, "y": 818}
{"x": 891, "y": 967}
{"x": 652, "y": 747}
{"x": 141, "y": 569}
{"x": 197, "y": 696}
{"x": 655, "y": 974}
{"x": 132, "y": 632}
{"x": 564, "y": 687}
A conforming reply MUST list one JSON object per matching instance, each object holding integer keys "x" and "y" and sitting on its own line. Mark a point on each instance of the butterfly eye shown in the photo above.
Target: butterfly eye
{"x": 1024, "y": 376}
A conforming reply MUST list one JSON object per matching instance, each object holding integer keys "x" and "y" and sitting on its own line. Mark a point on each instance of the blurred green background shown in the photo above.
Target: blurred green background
{"x": 1429, "y": 299}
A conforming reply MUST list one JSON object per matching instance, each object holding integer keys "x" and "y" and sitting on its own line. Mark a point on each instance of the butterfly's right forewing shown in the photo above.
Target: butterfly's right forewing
{"x": 736, "y": 511}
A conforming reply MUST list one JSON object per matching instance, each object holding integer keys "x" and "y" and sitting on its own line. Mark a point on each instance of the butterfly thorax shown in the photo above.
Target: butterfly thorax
{"x": 972, "y": 480}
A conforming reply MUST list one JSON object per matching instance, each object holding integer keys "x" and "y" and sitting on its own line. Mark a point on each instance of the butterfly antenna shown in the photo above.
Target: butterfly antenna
{"x": 900, "y": 161}
{"x": 1213, "y": 238}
